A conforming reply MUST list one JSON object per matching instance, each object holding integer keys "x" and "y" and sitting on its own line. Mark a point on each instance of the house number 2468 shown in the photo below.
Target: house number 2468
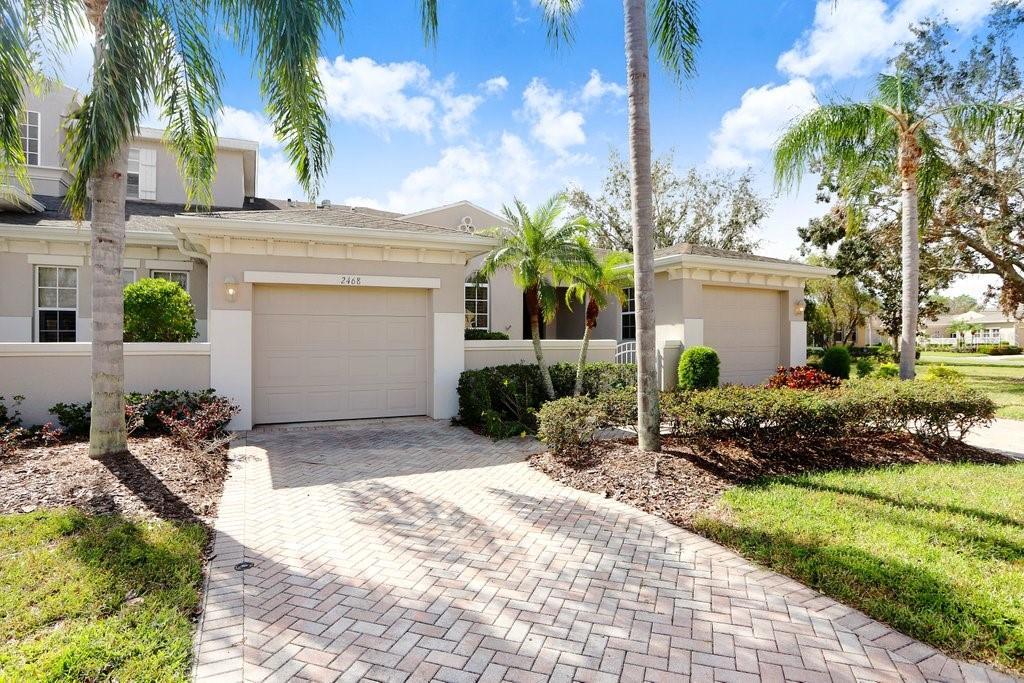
{"x": 351, "y": 280}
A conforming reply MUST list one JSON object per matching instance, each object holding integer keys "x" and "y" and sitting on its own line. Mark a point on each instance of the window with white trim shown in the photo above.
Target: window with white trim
{"x": 56, "y": 303}
{"x": 127, "y": 277}
{"x": 133, "y": 173}
{"x": 179, "y": 277}
{"x": 629, "y": 314}
{"x": 477, "y": 304}
{"x": 29, "y": 127}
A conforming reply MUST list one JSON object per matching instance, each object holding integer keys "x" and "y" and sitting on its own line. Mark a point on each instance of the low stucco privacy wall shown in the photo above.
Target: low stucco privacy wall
{"x": 485, "y": 353}
{"x": 47, "y": 374}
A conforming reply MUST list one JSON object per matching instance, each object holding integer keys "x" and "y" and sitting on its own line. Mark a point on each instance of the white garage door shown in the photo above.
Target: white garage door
{"x": 333, "y": 353}
{"x": 744, "y": 327}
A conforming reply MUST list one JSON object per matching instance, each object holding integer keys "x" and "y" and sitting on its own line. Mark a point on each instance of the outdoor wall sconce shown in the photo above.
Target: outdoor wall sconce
{"x": 799, "y": 307}
{"x": 230, "y": 288}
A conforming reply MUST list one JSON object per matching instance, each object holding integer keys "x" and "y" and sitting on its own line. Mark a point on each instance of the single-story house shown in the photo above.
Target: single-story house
{"x": 324, "y": 312}
{"x": 994, "y": 327}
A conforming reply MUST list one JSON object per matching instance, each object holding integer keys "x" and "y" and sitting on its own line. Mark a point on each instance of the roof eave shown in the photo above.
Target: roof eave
{"x": 39, "y": 233}
{"x": 750, "y": 265}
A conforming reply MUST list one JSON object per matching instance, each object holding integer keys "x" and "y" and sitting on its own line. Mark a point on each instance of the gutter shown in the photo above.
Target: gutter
{"x": 186, "y": 247}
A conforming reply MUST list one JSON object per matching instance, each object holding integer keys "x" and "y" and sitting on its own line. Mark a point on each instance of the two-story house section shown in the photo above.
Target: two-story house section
{"x": 45, "y": 274}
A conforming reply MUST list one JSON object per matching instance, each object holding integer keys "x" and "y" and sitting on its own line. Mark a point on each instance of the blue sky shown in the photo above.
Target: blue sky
{"x": 492, "y": 111}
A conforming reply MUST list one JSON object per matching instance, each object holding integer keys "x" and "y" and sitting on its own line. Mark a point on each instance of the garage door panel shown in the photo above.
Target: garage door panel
{"x": 744, "y": 326}
{"x": 326, "y": 353}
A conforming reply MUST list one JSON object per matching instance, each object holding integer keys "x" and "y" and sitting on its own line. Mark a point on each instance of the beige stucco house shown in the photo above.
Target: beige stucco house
{"x": 993, "y": 327}
{"x": 320, "y": 312}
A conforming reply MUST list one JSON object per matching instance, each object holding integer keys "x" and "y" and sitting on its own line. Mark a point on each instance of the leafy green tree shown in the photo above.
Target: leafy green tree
{"x": 161, "y": 50}
{"x": 714, "y": 208}
{"x": 157, "y": 310}
{"x": 542, "y": 251}
{"x": 596, "y": 285}
{"x": 887, "y": 139}
{"x": 674, "y": 34}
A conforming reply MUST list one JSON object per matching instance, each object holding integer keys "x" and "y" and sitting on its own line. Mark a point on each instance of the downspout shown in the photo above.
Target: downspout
{"x": 187, "y": 248}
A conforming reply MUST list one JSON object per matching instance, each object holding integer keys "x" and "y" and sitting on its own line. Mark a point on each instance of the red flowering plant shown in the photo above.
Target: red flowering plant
{"x": 802, "y": 377}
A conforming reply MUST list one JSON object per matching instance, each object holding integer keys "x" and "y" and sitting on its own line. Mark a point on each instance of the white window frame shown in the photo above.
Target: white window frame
{"x": 630, "y": 296}
{"x": 25, "y": 138}
{"x": 35, "y": 300}
{"x": 137, "y": 172}
{"x": 160, "y": 273}
{"x": 471, "y": 282}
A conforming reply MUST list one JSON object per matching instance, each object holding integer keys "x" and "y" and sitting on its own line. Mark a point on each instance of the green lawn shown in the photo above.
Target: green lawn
{"x": 936, "y": 551}
{"x": 97, "y": 597}
{"x": 1004, "y": 384}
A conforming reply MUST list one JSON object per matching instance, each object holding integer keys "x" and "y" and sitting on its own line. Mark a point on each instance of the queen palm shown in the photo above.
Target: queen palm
{"x": 673, "y": 31}
{"x": 160, "y": 51}
{"x": 541, "y": 251}
{"x": 893, "y": 137}
{"x": 596, "y": 285}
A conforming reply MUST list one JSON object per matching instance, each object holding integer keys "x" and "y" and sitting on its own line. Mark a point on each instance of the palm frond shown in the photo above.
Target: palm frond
{"x": 109, "y": 115}
{"x": 675, "y": 35}
{"x": 15, "y": 68}
{"x": 188, "y": 93}
{"x": 560, "y": 20}
{"x": 978, "y": 119}
{"x": 428, "y": 20}
{"x": 899, "y": 91}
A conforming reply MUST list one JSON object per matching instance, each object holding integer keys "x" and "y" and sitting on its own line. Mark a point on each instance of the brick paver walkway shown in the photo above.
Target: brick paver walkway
{"x": 413, "y": 550}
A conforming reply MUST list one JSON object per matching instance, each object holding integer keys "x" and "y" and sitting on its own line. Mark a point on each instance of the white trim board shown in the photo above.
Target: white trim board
{"x": 340, "y": 280}
{"x": 55, "y": 260}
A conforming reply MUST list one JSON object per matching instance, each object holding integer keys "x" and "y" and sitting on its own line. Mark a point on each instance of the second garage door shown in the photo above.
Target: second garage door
{"x": 744, "y": 327}
{"x": 331, "y": 353}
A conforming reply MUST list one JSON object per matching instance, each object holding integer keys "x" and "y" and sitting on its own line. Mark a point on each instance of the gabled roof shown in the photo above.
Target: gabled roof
{"x": 988, "y": 316}
{"x": 701, "y": 250}
{"x": 499, "y": 218}
{"x": 339, "y": 215}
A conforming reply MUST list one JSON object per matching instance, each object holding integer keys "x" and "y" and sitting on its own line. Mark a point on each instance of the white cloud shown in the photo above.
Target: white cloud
{"x": 554, "y": 125}
{"x": 379, "y": 95}
{"x": 755, "y": 125}
{"x": 849, "y": 36}
{"x": 495, "y": 86}
{"x": 489, "y": 175}
{"x": 246, "y": 125}
{"x": 275, "y": 177}
{"x": 596, "y": 88}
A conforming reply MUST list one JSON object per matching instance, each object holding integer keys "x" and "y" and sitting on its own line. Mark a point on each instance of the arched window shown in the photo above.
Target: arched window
{"x": 478, "y": 304}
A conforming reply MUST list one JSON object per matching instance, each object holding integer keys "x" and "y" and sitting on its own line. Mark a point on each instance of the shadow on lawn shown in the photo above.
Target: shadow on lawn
{"x": 960, "y": 619}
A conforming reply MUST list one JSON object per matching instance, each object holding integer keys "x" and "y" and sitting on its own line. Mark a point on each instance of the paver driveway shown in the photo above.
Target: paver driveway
{"x": 410, "y": 549}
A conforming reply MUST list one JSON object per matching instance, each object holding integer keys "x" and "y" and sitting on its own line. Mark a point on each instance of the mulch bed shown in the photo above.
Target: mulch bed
{"x": 157, "y": 479}
{"x": 683, "y": 481}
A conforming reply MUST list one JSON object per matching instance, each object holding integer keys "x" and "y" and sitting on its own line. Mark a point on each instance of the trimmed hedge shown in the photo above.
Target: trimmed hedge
{"x": 504, "y": 399}
{"x": 770, "y": 418}
{"x": 477, "y": 335}
{"x": 698, "y": 368}
{"x": 1000, "y": 349}
{"x": 836, "y": 361}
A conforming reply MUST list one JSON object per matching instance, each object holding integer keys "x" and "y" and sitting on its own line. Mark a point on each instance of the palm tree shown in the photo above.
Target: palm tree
{"x": 675, "y": 37}
{"x": 607, "y": 279}
{"x": 161, "y": 50}
{"x": 541, "y": 252}
{"x": 891, "y": 137}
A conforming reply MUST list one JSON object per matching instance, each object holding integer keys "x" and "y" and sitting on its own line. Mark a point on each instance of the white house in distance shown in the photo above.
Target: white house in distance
{"x": 323, "y": 312}
{"x": 994, "y": 327}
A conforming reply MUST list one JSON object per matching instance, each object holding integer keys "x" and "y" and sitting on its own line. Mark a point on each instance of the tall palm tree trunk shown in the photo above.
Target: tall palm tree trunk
{"x": 911, "y": 253}
{"x": 107, "y": 433}
{"x": 533, "y": 307}
{"x": 588, "y": 332}
{"x": 638, "y": 87}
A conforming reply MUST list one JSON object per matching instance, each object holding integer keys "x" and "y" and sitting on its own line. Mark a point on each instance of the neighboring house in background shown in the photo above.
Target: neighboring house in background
{"x": 870, "y": 333}
{"x": 995, "y": 326}
{"x": 333, "y": 312}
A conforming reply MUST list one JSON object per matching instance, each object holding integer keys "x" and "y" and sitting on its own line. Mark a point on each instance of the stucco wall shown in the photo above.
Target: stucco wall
{"x": 482, "y": 354}
{"x": 228, "y": 185}
{"x": 46, "y": 374}
{"x": 52, "y": 104}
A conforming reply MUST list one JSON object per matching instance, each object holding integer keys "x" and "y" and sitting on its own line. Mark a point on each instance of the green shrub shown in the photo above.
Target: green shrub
{"x": 814, "y": 362}
{"x": 477, "y": 335}
{"x": 815, "y": 351}
{"x": 886, "y": 353}
{"x": 836, "y": 361}
{"x": 887, "y": 371}
{"x": 865, "y": 366}
{"x": 1003, "y": 350}
{"x": 503, "y": 400}
{"x": 698, "y": 368}
{"x": 157, "y": 310}
{"x": 145, "y": 410}
{"x": 568, "y": 425}
{"x": 942, "y": 373}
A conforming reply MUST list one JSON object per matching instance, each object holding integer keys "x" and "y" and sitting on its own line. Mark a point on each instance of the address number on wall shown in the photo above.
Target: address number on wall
{"x": 350, "y": 280}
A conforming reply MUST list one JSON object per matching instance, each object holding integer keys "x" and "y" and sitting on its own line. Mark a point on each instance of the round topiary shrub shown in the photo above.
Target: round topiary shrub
{"x": 836, "y": 361}
{"x": 698, "y": 368}
{"x": 157, "y": 310}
